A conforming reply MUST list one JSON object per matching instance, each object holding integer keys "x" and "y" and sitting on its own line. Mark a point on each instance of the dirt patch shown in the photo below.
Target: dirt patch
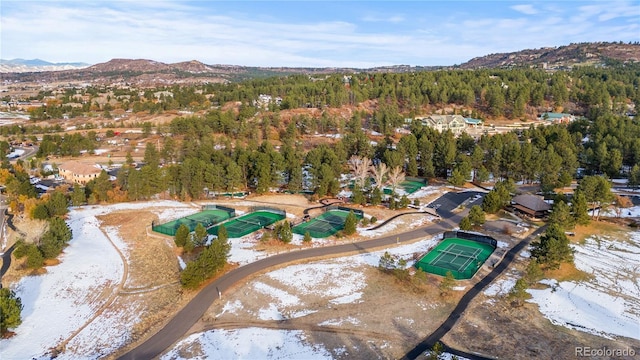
{"x": 593, "y": 228}
{"x": 502, "y": 331}
{"x": 386, "y": 316}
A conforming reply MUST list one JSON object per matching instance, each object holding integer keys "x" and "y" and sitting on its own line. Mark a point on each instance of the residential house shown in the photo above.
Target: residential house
{"x": 557, "y": 117}
{"x": 471, "y": 122}
{"x": 77, "y": 172}
{"x": 532, "y": 205}
{"x": 455, "y": 123}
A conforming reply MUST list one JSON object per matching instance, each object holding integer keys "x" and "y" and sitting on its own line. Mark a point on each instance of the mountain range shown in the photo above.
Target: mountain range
{"x": 36, "y": 65}
{"x": 143, "y": 71}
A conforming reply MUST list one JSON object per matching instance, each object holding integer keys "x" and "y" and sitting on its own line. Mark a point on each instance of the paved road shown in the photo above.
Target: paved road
{"x": 178, "y": 326}
{"x": 28, "y": 151}
{"x": 466, "y": 299}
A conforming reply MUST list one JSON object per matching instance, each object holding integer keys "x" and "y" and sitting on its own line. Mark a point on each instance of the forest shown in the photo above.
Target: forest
{"x": 254, "y": 148}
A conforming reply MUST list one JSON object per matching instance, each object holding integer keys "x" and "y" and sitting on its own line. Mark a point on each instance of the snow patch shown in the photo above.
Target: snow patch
{"x": 249, "y": 343}
{"x": 609, "y": 303}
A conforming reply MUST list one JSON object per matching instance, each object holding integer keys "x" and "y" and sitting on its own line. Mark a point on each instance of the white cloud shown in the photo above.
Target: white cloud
{"x": 525, "y": 9}
{"x": 179, "y": 31}
{"x": 384, "y": 18}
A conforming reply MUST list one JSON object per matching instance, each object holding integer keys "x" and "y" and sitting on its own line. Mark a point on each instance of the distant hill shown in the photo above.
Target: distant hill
{"x": 597, "y": 53}
{"x": 150, "y": 72}
{"x": 36, "y": 65}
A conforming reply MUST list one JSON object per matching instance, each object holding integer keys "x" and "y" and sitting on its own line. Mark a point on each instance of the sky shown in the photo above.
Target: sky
{"x": 358, "y": 34}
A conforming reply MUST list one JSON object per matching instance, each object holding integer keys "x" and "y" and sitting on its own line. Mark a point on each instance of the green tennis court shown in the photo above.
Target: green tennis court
{"x": 409, "y": 185}
{"x": 207, "y": 218}
{"x": 326, "y": 224}
{"x": 249, "y": 223}
{"x": 460, "y": 256}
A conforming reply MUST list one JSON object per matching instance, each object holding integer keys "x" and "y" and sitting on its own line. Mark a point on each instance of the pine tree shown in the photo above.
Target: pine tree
{"x": 357, "y": 196}
{"x": 307, "y": 237}
{"x": 447, "y": 283}
{"x": 519, "y": 292}
{"x": 223, "y": 233}
{"x": 182, "y": 235}
{"x": 553, "y": 248}
{"x": 78, "y": 196}
{"x": 350, "y": 224}
{"x": 376, "y": 196}
{"x": 533, "y": 272}
{"x": 465, "y": 223}
{"x": 200, "y": 235}
{"x": 284, "y": 232}
{"x": 10, "y": 308}
{"x": 457, "y": 178}
{"x": 561, "y": 215}
{"x": 580, "y": 208}
{"x": 476, "y": 215}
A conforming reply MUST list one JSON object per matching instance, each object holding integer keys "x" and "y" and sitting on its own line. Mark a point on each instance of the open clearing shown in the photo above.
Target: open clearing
{"x": 117, "y": 282}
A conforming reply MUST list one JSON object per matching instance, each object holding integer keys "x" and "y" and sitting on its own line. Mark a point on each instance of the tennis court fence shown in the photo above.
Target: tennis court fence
{"x": 268, "y": 209}
{"x": 477, "y": 237}
{"x": 464, "y": 274}
{"x": 230, "y": 211}
{"x": 359, "y": 213}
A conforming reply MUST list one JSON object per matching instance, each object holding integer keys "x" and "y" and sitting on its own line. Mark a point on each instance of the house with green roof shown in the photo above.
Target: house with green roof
{"x": 556, "y": 117}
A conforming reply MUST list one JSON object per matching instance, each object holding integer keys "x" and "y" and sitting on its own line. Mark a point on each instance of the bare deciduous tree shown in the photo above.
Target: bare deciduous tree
{"x": 379, "y": 174}
{"x": 359, "y": 168}
{"x": 396, "y": 177}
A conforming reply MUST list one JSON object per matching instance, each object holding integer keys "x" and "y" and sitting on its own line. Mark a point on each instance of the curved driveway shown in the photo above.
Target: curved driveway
{"x": 464, "y": 302}
{"x": 178, "y": 326}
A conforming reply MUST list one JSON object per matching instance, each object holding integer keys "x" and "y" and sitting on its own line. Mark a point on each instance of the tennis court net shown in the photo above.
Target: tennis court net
{"x": 258, "y": 224}
{"x": 331, "y": 222}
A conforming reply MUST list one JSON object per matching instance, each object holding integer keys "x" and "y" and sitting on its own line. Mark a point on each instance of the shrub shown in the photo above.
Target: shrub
{"x": 307, "y": 237}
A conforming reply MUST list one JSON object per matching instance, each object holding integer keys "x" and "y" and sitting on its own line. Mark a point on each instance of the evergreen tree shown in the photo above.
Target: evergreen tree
{"x": 634, "y": 177}
{"x": 404, "y": 202}
{"x": 10, "y": 308}
{"x": 465, "y": 223}
{"x": 39, "y": 212}
{"x": 233, "y": 176}
{"x": 476, "y": 215}
{"x": 57, "y": 205}
{"x": 35, "y": 260}
{"x": 518, "y": 293}
{"x": 447, "y": 283}
{"x": 200, "y": 235}
{"x": 376, "y": 196}
{"x": 78, "y": 196}
{"x": 580, "y": 208}
{"x": 182, "y": 235}
{"x": 553, "y": 248}
{"x": 350, "y": 224}
{"x": 357, "y": 196}
{"x": 284, "y": 232}
{"x": 210, "y": 261}
{"x": 457, "y": 178}
{"x": 307, "y": 237}
{"x": 223, "y": 233}
{"x": 561, "y": 215}
{"x": 533, "y": 273}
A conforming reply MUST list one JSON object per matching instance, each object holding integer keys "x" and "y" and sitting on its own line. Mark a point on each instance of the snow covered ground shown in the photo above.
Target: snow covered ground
{"x": 68, "y": 298}
{"x": 633, "y": 211}
{"x": 65, "y": 304}
{"x": 248, "y": 343}
{"x": 608, "y": 304}
{"x": 422, "y": 220}
{"x": 339, "y": 280}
